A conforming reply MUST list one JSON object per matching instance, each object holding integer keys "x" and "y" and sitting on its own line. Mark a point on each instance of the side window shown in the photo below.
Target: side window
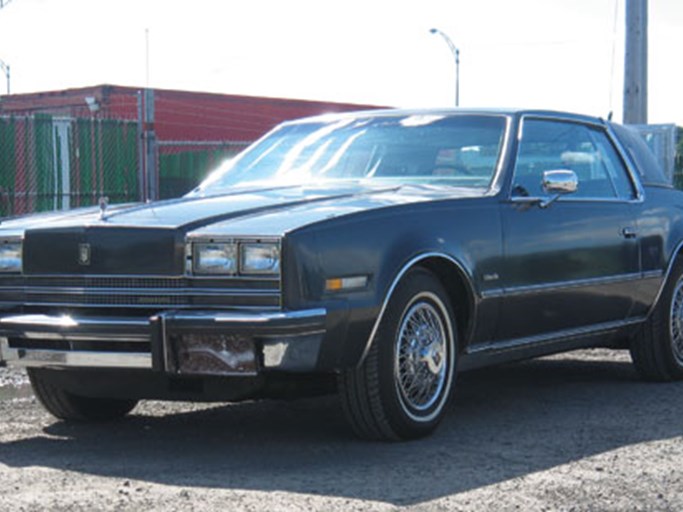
{"x": 610, "y": 159}
{"x": 553, "y": 145}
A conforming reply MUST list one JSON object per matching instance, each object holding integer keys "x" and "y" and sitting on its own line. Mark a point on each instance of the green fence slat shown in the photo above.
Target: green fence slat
{"x": 102, "y": 158}
{"x": 182, "y": 171}
{"x": 8, "y": 165}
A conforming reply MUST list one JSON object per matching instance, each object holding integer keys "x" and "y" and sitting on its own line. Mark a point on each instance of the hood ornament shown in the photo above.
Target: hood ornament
{"x": 104, "y": 204}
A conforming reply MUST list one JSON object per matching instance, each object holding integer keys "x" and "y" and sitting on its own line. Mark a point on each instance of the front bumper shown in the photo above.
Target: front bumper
{"x": 176, "y": 342}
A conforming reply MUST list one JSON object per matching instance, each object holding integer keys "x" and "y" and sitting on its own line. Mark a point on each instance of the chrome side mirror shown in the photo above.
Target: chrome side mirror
{"x": 558, "y": 183}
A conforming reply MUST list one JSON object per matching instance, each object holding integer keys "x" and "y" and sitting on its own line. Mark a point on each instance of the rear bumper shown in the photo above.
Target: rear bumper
{"x": 218, "y": 342}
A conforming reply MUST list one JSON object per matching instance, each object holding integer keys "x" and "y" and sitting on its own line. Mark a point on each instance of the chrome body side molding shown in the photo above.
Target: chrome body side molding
{"x": 578, "y": 283}
{"x": 546, "y": 338}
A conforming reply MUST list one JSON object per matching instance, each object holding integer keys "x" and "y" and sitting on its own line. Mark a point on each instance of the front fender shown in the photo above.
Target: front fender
{"x": 383, "y": 248}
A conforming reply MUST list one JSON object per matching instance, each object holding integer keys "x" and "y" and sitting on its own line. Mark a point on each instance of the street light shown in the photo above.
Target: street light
{"x": 5, "y": 69}
{"x": 456, "y": 54}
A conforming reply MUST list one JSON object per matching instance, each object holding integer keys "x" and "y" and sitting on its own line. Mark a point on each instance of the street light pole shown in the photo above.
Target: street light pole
{"x": 456, "y": 55}
{"x": 5, "y": 69}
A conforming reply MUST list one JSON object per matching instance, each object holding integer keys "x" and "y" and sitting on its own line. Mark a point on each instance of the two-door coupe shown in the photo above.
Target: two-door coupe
{"x": 383, "y": 252}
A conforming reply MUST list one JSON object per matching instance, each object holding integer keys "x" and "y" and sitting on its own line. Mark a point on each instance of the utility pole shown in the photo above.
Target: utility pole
{"x": 635, "y": 63}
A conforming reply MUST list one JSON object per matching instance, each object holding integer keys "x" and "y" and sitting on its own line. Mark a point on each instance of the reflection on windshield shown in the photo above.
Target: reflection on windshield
{"x": 458, "y": 150}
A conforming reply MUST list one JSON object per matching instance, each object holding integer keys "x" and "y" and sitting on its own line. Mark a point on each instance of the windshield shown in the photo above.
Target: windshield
{"x": 457, "y": 150}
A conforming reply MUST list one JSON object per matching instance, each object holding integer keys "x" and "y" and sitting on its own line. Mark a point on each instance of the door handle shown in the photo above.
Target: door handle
{"x": 629, "y": 232}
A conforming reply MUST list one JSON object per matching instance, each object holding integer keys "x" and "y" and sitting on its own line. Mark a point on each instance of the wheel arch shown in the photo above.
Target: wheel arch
{"x": 457, "y": 283}
{"x": 676, "y": 256}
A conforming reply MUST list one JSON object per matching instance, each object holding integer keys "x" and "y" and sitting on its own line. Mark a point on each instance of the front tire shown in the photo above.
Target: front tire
{"x": 401, "y": 389}
{"x": 657, "y": 348}
{"x": 69, "y": 407}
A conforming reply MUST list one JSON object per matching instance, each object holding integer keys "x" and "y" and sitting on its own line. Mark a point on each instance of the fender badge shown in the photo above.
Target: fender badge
{"x": 84, "y": 254}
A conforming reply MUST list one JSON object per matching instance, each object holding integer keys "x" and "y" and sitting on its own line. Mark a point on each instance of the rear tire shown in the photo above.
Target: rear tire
{"x": 401, "y": 389}
{"x": 69, "y": 407}
{"x": 657, "y": 348}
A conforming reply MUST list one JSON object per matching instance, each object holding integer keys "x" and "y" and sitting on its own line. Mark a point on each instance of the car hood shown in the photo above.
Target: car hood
{"x": 272, "y": 211}
{"x": 150, "y": 238}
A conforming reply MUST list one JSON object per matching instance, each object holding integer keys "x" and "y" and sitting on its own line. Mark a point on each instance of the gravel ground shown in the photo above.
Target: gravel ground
{"x": 571, "y": 432}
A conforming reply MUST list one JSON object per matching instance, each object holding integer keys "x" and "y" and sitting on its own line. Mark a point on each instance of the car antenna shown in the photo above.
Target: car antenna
{"x": 609, "y": 116}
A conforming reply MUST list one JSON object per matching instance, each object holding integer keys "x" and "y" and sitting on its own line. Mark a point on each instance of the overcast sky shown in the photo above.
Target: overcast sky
{"x": 555, "y": 54}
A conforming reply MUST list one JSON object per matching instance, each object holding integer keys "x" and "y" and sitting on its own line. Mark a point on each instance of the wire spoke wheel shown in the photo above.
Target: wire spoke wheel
{"x": 401, "y": 389}
{"x": 676, "y": 322}
{"x": 657, "y": 346}
{"x": 421, "y": 352}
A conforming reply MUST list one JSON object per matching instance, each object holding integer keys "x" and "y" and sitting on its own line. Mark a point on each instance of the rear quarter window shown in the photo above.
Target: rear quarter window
{"x": 649, "y": 170}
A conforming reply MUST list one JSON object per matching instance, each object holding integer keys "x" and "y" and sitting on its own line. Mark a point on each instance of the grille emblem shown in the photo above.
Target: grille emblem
{"x": 84, "y": 254}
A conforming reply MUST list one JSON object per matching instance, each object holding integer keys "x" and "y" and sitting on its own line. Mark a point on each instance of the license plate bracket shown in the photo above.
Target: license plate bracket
{"x": 212, "y": 354}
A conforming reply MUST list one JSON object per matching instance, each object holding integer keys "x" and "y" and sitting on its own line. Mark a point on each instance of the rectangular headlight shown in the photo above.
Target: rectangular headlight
{"x": 214, "y": 258}
{"x": 260, "y": 258}
{"x": 10, "y": 257}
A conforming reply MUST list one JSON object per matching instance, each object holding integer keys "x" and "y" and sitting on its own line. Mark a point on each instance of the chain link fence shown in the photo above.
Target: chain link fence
{"x": 52, "y": 163}
{"x": 56, "y": 163}
{"x": 662, "y": 140}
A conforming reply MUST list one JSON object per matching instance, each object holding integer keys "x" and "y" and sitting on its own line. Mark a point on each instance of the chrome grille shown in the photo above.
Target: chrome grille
{"x": 107, "y": 282}
{"x": 139, "y": 292}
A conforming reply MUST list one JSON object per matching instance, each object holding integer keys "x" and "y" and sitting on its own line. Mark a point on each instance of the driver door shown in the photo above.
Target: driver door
{"x": 571, "y": 265}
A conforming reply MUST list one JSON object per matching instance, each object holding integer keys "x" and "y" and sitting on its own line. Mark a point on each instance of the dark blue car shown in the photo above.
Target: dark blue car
{"x": 375, "y": 253}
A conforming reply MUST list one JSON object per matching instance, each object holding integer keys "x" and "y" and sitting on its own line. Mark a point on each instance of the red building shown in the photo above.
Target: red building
{"x": 63, "y": 149}
{"x": 179, "y": 115}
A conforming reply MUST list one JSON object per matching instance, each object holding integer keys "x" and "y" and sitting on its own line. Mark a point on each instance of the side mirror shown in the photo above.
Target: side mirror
{"x": 559, "y": 183}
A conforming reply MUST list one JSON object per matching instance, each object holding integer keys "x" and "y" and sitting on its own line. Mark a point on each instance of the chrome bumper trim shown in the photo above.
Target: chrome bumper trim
{"x": 93, "y": 342}
{"x": 263, "y": 323}
{"x": 58, "y": 358}
{"x": 64, "y": 327}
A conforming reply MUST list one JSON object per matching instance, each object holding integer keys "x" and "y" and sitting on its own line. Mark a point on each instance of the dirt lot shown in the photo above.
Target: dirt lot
{"x": 575, "y": 432}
